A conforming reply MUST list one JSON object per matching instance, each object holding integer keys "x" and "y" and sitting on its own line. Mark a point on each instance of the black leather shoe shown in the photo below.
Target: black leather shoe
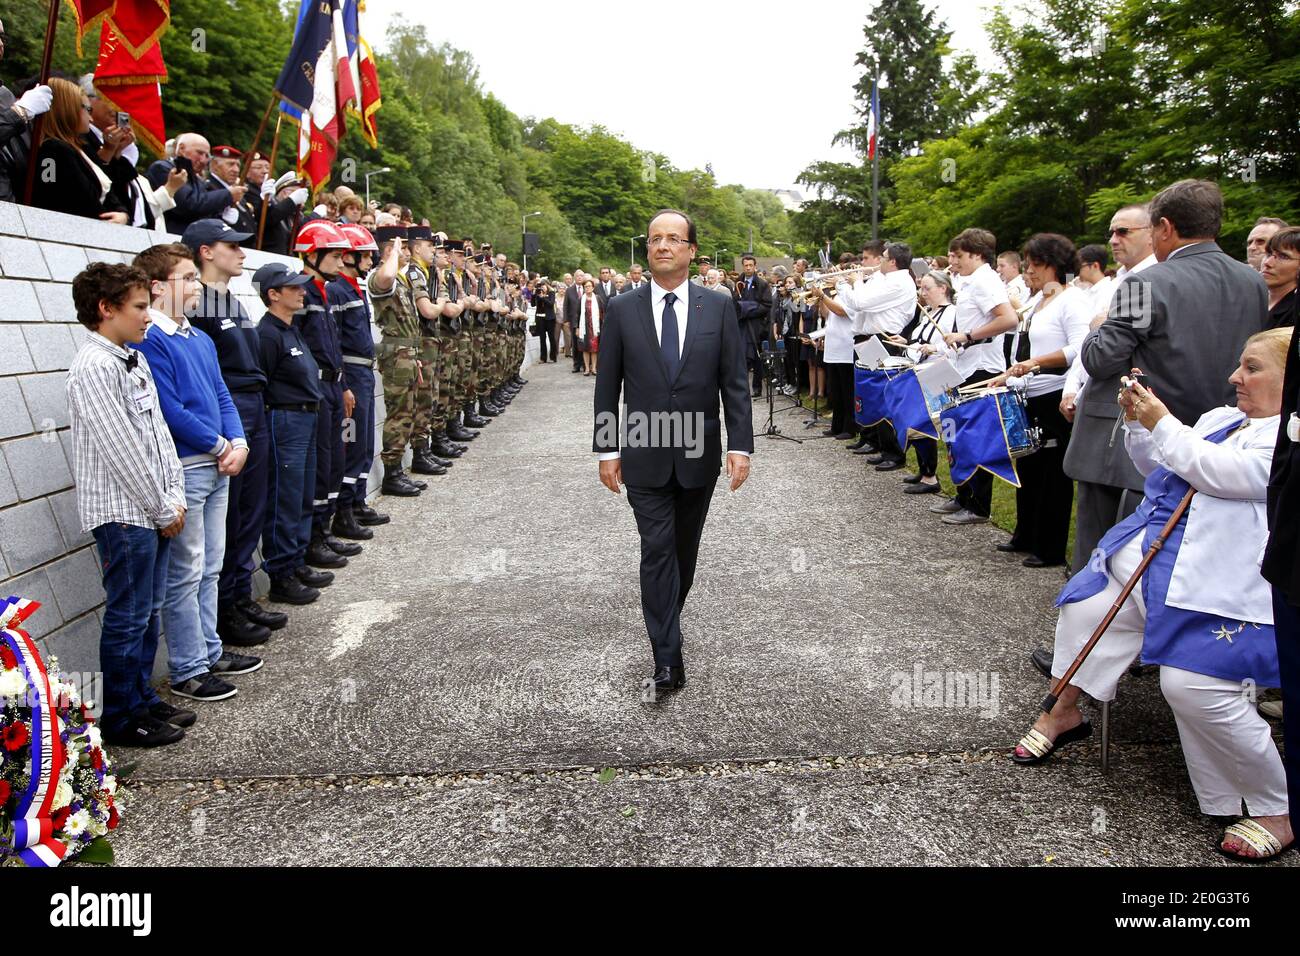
{"x": 665, "y": 680}
{"x": 889, "y": 464}
{"x": 369, "y": 518}
{"x": 274, "y": 620}
{"x": 867, "y": 449}
{"x": 921, "y": 488}
{"x": 289, "y": 590}
{"x": 313, "y": 578}
{"x": 321, "y": 555}
{"x": 238, "y": 631}
{"x": 875, "y": 459}
{"x": 1042, "y": 659}
{"x": 1010, "y": 547}
{"x": 345, "y": 526}
{"x": 345, "y": 548}
{"x": 1034, "y": 561}
{"x": 395, "y": 484}
{"x": 912, "y": 480}
{"x": 862, "y": 442}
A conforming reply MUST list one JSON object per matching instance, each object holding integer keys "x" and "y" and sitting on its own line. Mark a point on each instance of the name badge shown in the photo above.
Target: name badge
{"x": 1293, "y": 428}
{"x": 296, "y": 352}
{"x": 227, "y": 324}
{"x": 142, "y": 398}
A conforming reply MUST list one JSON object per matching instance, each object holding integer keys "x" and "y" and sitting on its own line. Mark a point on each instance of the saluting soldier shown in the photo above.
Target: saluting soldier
{"x": 398, "y": 354}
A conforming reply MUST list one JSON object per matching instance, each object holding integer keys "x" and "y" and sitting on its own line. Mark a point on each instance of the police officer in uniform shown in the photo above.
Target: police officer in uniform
{"x": 398, "y": 353}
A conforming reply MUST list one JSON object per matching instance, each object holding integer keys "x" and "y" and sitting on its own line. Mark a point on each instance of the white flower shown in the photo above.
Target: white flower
{"x": 110, "y": 784}
{"x": 12, "y": 684}
{"x": 94, "y": 736}
{"x": 77, "y": 824}
{"x": 62, "y": 795}
{"x": 97, "y": 828}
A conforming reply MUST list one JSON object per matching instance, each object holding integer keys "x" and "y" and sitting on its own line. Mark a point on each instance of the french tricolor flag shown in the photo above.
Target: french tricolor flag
{"x": 873, "y": 121}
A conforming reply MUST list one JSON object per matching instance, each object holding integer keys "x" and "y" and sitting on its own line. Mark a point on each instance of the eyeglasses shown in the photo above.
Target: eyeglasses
{"x": 671, "y": 242}
{"x": 1123, "y": 231}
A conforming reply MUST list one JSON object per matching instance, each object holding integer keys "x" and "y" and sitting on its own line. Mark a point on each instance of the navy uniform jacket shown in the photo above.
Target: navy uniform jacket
{"x": 318, "y": 323}
{"x": 292, "y": 376}
{"x": 225, "y": 320}
{"x": 353, "y": 315}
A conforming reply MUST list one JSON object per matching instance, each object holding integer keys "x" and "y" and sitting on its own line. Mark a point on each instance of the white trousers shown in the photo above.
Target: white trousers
{"x": 1228, "y": 746}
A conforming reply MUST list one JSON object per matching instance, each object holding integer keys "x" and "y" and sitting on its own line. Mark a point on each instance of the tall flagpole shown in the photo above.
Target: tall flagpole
{"x": 875, "y": 164}
{"x": 38, "y": 125}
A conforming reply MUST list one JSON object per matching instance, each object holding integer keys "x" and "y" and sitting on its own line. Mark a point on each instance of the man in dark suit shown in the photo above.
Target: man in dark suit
{"x": 754, "y": 300}
{"x": 200, "y": 198}
{"x": 605, "y": 288}
{"x": 572, "y": 307}
{"x": 672, "y": 348}
{"x": 635, "y": 279}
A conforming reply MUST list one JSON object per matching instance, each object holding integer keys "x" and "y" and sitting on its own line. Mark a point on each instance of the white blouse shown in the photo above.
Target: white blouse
{"x": 1060, "y": 325}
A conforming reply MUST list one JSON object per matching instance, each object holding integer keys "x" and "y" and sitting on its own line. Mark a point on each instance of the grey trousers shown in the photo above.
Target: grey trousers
{"x": 1100, "y": 508}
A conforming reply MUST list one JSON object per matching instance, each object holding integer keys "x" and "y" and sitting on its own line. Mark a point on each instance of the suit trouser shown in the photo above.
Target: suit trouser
{"x": 976, "y": 495}
{"x": 547, "y": 338}
{"x": 839, "y": 384}
{"x": 359, "y": 444}
{"x": 292, "y": 477}
{"x": 574, "y": 339}
{"x": 1286, "y": 628}
{"x": 755, "y": 334}
{"x": 670, "y": 520}
{"x": 246, "y": 501}
{"x": 887, "y": 442}
{"x": 1046, "y": 492}
{"x": 329, "y": 454}
{"x": 1100, "y": 508}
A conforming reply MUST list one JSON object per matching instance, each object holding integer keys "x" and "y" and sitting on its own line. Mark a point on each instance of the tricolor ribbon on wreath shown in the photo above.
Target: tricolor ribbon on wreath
{"x": 33, "y": 826}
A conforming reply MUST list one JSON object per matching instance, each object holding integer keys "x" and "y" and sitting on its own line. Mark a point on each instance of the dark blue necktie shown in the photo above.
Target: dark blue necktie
{"x": 668, "y": 336}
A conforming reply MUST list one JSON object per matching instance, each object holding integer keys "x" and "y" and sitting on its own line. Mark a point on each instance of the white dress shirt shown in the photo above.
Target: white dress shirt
{"x": 681, "y": 311}
{"x": 981, "y": 292}
{"x": 1060, "y": 325}
{"x": 883, "y": 305}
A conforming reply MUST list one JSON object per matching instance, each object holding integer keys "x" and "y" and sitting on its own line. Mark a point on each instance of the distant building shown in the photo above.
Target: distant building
{"x": 790, "y": 198}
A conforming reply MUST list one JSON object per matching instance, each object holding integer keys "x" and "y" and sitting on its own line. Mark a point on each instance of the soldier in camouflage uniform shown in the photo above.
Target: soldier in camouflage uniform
{"x": 397, "y": 354}
{"x": 462, "y": 419}
{"x": 472, "y": 343}
{"x": 429, "y": 302}
{"x": 447, "y": 416}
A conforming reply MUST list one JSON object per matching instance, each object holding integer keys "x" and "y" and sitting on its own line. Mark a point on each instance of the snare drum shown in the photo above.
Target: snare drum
{"x": 1023, "y": 438}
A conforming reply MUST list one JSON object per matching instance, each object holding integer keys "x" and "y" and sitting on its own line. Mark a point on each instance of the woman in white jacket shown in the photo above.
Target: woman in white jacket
{"x": 588, "y": 325}
{"x": 1203, "y": 612}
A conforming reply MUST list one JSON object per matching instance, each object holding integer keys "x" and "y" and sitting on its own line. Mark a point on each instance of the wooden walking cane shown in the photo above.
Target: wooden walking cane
{"x": 38, "y": 125}
{"x": 1058, "y": 688}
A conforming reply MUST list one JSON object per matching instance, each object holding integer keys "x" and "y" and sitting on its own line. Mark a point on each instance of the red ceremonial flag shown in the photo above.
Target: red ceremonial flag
{"x": 131, "y": 85}
{"x": 370, "y": 100}
{"x": 138, "y": 23}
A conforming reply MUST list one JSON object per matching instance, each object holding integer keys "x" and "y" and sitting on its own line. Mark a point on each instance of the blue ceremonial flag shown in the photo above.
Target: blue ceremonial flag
{"x": 976, "y": 438}
{"x": 907, "y": 409}
{"x": 869, "y": 405}
{"x": 285, "y": 106}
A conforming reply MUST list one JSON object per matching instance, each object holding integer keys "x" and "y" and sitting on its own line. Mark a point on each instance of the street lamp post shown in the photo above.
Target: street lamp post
{"x": 632, "y": 250}
{"x": 525, "y": 238}
{"x": 376, "y": 172}
{"x": 717, "y": 257}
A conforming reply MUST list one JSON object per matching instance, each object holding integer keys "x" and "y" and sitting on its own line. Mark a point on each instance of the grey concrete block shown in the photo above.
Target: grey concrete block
{"x": 8, "y": 493}
{"x": 75, "y": 645}
{"x": 29, "y": 536}
{"x": 22, "y": 259}
{"x": 50, "y": 226}
{"x": 66, "y": 515}
{"x": 51, "y": 346}
{"x": 64, "y": 262}
{"x": 69, "y": 453}
{"x": 47, "y": 400}
{"x": 18, "y": 302}
{"x": 11, "y": 220}
{"x": 56, "y": 301}
{"x": 14, "y": 357}
{"x": 77, "y": 583}
{"x": 36, "y": 587}
{"x": 108, "y": 255}
{"x": 14, "y": 420}
{"x": 37, "y": 465}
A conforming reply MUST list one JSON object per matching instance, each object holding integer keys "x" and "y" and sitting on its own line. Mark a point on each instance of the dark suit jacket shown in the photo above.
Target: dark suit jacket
{"x": 572, "y": 302}
{"x": 1281, "y": 566}
{"x": 197, "y": 199}
{"x": 760, "y": 294}
{"x": 628, "y": 287}
{"x": 72, "y": 187}
{"x": 712, "y": 366}
{"x": 604, "y": 298}
{"x": 1183, "y": 322}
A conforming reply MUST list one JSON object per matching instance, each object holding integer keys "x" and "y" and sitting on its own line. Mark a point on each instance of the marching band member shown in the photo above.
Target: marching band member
{"x": 1203, "y": 613}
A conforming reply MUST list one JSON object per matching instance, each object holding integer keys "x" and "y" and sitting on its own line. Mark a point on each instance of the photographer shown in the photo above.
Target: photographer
{"x": 544, "y": 303}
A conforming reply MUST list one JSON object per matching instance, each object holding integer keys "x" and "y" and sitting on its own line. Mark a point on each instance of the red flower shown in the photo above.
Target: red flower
{"x": 60, "y": 818}
{"x": 97, "y": 759}
{"x": 113, "y": 819}
{"x": 14, "y": 736}
{"x": 4, "y": 792}
{"x": 7, "y": 660}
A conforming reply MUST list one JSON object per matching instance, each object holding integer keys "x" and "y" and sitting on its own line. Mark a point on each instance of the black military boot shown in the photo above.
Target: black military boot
{"x": 346, "y": 527}
{"x": 395, "y": 483}
{"x": 272, "y": 620}
{"x": 458, "y": 432}
{"x": 501, "y": 397}
{"x": 313, "y": 578}
{"x": 521, "y": 382}
{"x": 368, "y": 517}
{"x": 487, "y": 409}
{"x": 321, "y": 555}
{"x": 471, "y": 419}
{"x": 422, "y": 464}
{"x": 289, "y": 590}
{"x": 443, "y": 447}
{"x": 238, "y": 631}
{"x": 339, "y": 546}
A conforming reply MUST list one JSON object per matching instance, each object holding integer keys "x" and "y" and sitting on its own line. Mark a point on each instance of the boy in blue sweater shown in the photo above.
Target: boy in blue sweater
{"x": 209, "y": 439}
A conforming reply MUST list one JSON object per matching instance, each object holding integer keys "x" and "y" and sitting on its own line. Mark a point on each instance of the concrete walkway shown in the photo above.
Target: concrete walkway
{"x": 456, "y": 695}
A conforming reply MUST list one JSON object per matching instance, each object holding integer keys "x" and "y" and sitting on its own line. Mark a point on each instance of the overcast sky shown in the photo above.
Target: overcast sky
{"x": 641, "y": 70}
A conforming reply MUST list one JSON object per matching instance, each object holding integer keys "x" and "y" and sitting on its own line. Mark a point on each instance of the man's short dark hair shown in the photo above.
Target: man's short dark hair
{"x": 157, "y": 262}
{"x": 749, "y": 257}
{"x": 1053, "y": 250}
{"x": 104, "y": 282}
{"x": 976, "y": 242}
{"x": 691, "y": 236}
{"x": 1094, "y": 254}
{"x": 873, "y": 247}
{"x": 900, "y": 253}
{"x": 1193, "y": 206}
{"x": 1287, "y": 239}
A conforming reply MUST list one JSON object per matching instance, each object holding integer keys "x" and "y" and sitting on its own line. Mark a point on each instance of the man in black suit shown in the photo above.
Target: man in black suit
{"x": 672, "y": 348}
{"x": 605, "y": 288}
{"x": 754, "y": 299}
{"x": 635, "y": 279}
{"x": 572, "y": 308}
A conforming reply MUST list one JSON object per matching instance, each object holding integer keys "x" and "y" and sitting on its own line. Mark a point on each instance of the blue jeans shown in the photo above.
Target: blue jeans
{"x": 190, "y": 617}
{"x": 291, "y": 481}
{"x": 133, "y": 561}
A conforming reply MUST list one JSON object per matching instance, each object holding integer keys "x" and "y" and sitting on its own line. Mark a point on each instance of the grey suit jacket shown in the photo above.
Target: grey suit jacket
{"x": 1183, "y": 322}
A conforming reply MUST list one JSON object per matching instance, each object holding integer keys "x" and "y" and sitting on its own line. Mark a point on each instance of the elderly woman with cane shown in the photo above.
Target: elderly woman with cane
{"x": 1202, "y": 611}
